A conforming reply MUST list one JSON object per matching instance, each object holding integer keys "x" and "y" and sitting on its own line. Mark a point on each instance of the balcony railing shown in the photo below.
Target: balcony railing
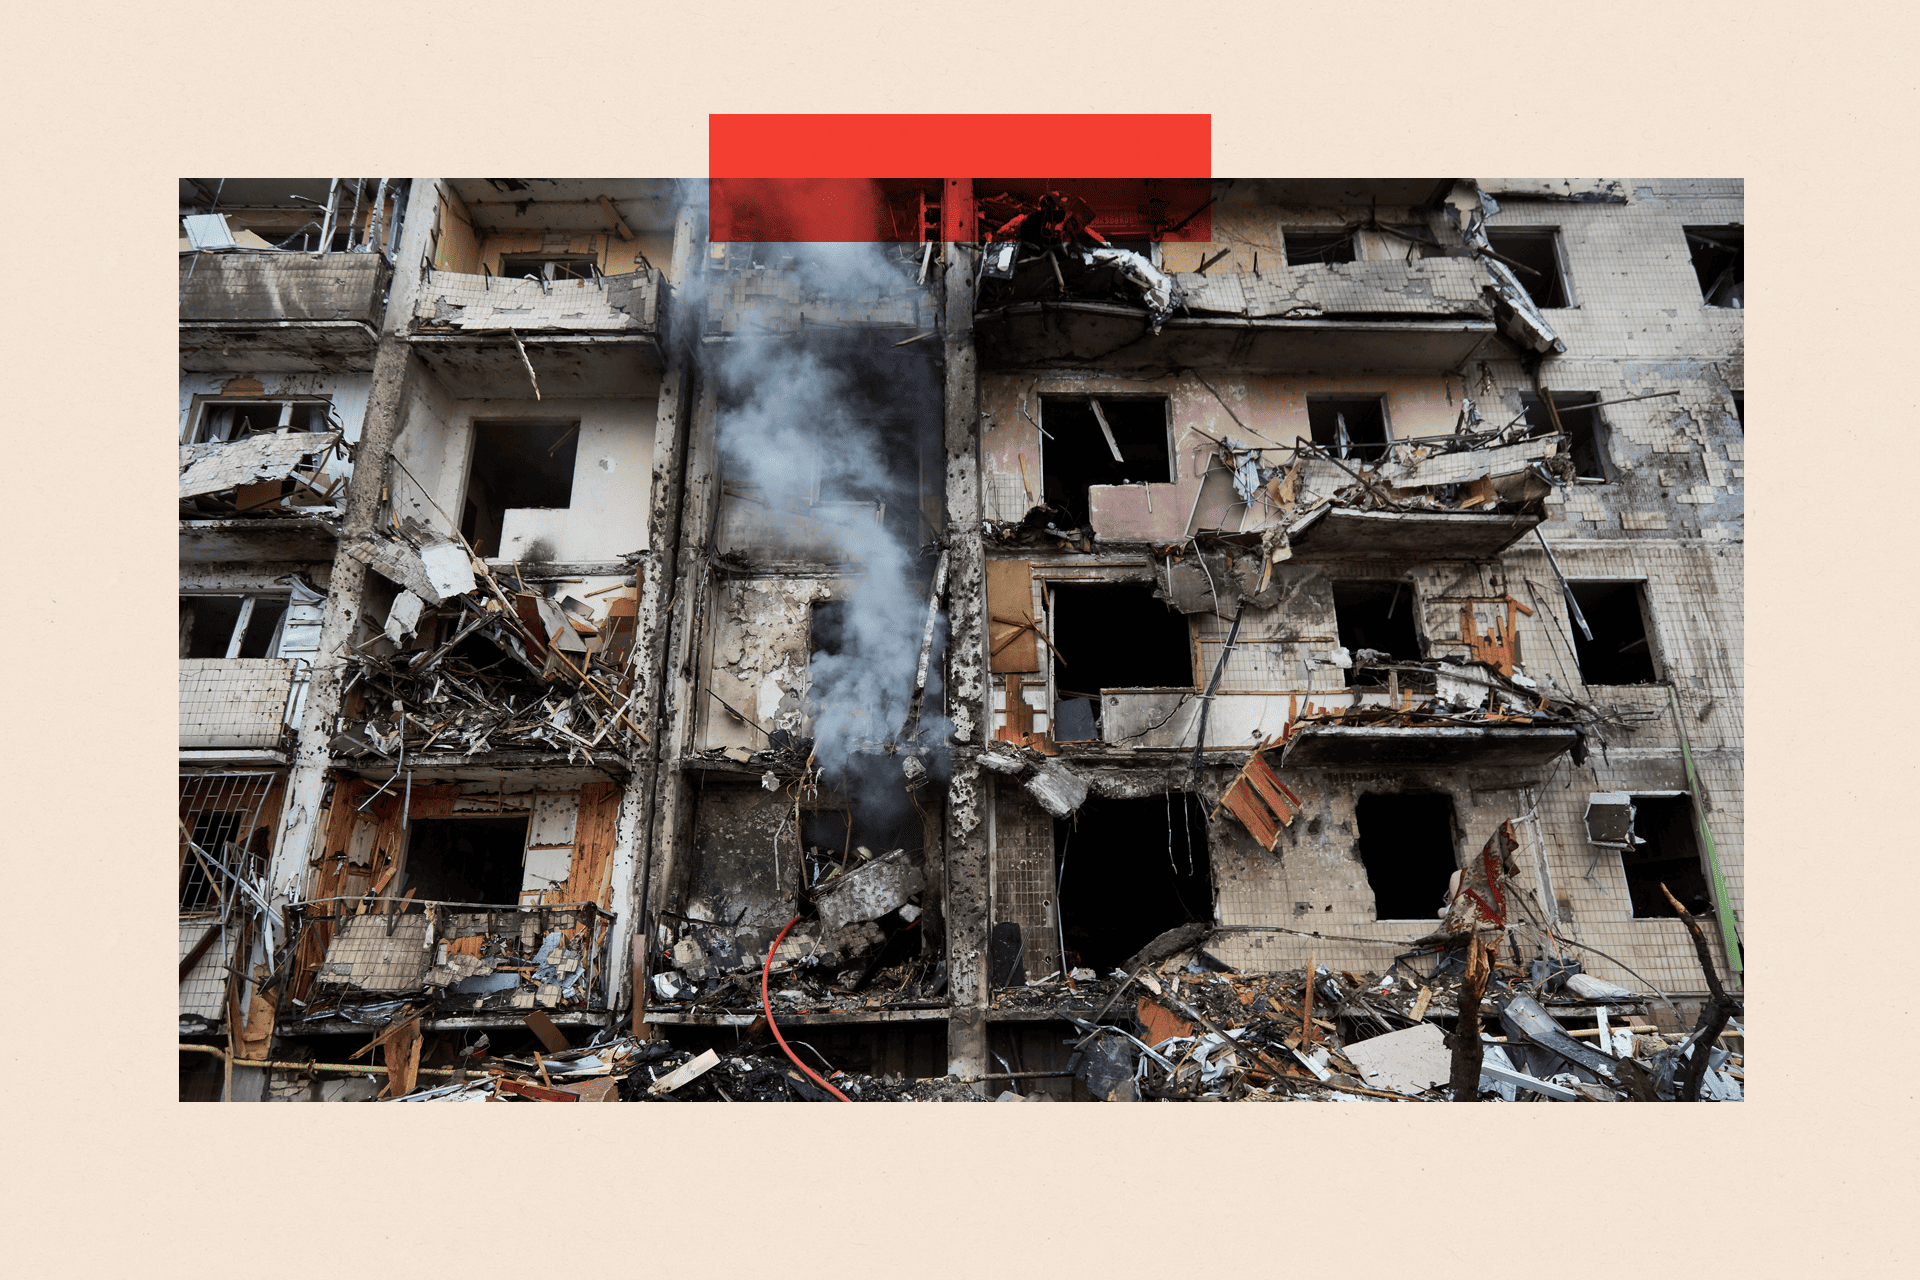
{"x": 246, "y": 287}
{"x": 235, "y": 703}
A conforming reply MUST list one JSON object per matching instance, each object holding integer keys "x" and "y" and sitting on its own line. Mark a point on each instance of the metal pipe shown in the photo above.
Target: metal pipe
{"x": 354, "y": 217}
{"x": 333, "y": 209}
{"x": 348, "y": 1068}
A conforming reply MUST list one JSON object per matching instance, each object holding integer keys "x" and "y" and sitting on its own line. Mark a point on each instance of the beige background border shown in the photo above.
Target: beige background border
{"x": 109, "y": 1177}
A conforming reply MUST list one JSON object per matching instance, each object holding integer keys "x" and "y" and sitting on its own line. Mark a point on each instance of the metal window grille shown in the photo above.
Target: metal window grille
{"x": 223, "y": 827}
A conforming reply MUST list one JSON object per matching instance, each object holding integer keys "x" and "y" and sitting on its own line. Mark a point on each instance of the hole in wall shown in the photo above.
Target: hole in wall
{"x": 477, "y": 860}
{"x": 1078, "y": 454}
{"x": 1133, "y": 869}
{"x": 1407, "y": 846}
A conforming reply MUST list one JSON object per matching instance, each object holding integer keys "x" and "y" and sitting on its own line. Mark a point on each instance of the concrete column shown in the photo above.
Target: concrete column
{"x": 964, "y": 895}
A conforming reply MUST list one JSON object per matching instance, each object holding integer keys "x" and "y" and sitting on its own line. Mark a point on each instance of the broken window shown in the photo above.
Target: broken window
{"x": 1310, "y": 246}
{"x": 1533, "y": 254}
{"x": 469, "y": 860}
{"x": 1129, "y": 871}
{"x": 1585, "y": 429}
{"x": 1665, "y": 852}
{"x": 1116, "y": 636}
{"x": 1377, "y": 616}
{"x": 220, "y": 419}
{"x": 548, "y": 266}
{"x": 1740, "y": 410}
{"x": 1101, "y": 440}
{"x": 516, "y": 466}
{"x": 1621, "y": 648}
{"x": 1349, "y": 426}
{"x": 248, "y": 626}
{"x": 1407, "y": 847}
{"x": 1719, "y": 261}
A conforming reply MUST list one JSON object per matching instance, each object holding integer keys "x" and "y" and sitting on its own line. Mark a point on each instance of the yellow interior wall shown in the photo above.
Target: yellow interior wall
{"x": 458, "y": 246}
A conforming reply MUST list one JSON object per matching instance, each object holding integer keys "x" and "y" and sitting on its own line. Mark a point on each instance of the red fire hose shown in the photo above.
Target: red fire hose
{"x": 766, "y": 1006}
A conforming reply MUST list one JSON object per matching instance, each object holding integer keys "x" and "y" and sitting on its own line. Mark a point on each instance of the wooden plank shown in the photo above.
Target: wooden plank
{"x": 686, "y": 1073}
{"x": 1019, "y": 714}
{"x": 1241, "y": 802}
{"x": 550, "y": 1036}
{"x": 1268, "y": 788}
{"x": 533, "y": 1091}
{"x": 1010, "y": 594}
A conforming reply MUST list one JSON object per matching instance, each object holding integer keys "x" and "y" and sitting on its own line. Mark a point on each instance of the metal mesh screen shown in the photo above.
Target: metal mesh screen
{"x": 223, "y": 824}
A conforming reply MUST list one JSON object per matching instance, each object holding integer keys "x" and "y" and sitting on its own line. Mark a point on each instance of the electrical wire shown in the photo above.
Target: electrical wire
{"x": 766, "y": 1007}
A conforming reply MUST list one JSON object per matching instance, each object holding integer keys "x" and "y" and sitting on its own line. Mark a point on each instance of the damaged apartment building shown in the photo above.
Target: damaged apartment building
{"x": 625, "y": 643}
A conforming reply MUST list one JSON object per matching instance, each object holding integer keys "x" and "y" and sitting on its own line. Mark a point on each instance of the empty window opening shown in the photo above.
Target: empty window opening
{"x": 231, "y": 626}
{"x": 1305, "y": 247}
{"x": 1133, "y": 447}
{"x": 516, "y": 466}
{"x": 1116, "y": 636}
{"x": 1407, "y": 847}
{"x": 1719, "y": 255}
{"x": 827, "y": 628}
{"x": 1349, "y": 427}
{"x": 1533, "y": 254}
{"x": 477, "y": 860}
{"x": 1130, "y": 870}
{"x": 1664, "y": 852}
{"x": 1740, "y": 410}
{"x": 221, "y": 420}
{"x": 1378, "y": 616}
{"x": 548, "y": 266}
{"x": 1621, "y": 650}
{"x": 1586, "y": 430}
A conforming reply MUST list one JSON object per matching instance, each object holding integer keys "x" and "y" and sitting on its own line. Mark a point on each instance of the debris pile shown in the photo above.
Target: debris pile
{"x": 1046, "y": 247}
{"x": 261, "y": 470}
{"x": 468, "y": 664}
{"x": 449, "y": 959}
{"x": 1193, "y": 1029}
{"x": 626, "y": 1069}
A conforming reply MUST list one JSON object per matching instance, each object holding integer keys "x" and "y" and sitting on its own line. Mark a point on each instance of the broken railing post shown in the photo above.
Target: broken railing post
{"x": 1713, "y": 1018}
{"x": 912, "y": 723}
{"x": 1468, "y": 1054}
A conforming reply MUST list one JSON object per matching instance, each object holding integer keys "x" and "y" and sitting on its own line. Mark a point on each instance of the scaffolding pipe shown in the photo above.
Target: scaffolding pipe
{"x": 346, "y": 1068}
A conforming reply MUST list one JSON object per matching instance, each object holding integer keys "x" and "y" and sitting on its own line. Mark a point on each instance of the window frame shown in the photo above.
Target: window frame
{"x": 194, "y": 430}
{"x": 249, "y": 600}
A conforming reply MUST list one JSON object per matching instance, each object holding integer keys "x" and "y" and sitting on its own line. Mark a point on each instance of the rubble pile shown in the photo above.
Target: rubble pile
{"x": 261, "y": 470}
{"x": 1195, "y": 1032}
{"x": 1046, "y": 246}
{"x": 465, "y": 665}
{"x": 626, "y": 1069}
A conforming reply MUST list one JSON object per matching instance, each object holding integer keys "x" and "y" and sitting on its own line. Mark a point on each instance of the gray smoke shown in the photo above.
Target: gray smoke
{"x": 826, "y": 435}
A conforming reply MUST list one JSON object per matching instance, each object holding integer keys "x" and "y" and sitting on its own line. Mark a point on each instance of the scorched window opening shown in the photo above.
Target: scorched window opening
{"x": 1587, "y": 432}
{"x": 1379, "y": 616}
{"x": 1406, "y": 843}
{"x": 1107, "y": 440}
{"x": 465, "y": 859}
{"x": 519, "y": 465}
{"x": 1664, "y": 852}
{"x": 1129, "y": 871}
{"x": 1349, "y": 426}
{"x": 1541, "y": 270}
{"x": 1622, "y": 648}
{"x": 1719, "y": 261}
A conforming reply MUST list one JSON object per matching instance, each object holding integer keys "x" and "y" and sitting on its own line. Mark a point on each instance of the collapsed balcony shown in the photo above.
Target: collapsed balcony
{"x": 464, "y": 963}
{"x": 1346, "y": 493}
{"x": 1071, "y": 301}
{"x": 465, "y": 667}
